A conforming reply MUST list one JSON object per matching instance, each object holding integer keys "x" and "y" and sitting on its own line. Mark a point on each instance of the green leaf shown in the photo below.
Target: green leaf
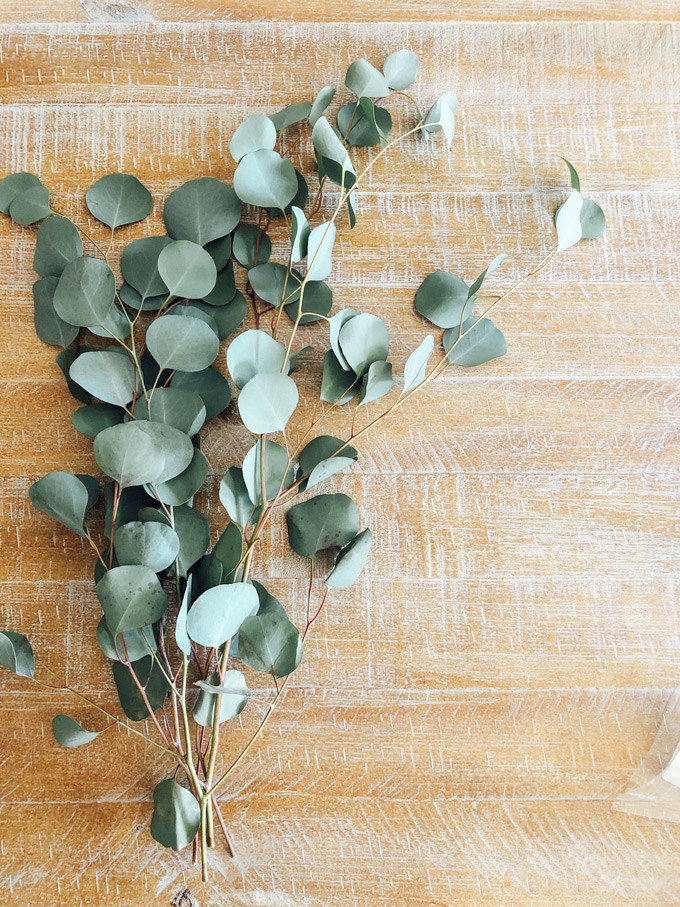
{"x": 118, "y": 199}
{"x": 278, "y": 471}
{"x": 57, "y": 243}
{"x": 568, "y": 221}
{"x": 151, "y": 678}
{"x": 220, "y": 251}
{"x": 363, "y": 340}
{"x": 334, "y": 327}
{"x": 139, "y": 265}
{"x": 253, "y": 353}
{"x": 13, "y": 185}
{"x": 234, "y": 697}
{"x": 69, "y": 732}
{"x": 320, "y": 450}
{"x": 294, "y": 113}
{"x": 321, "y": 103}
{"x": 328, "y": 146}
{"x": 441, "y": 298}
{"x": 141, "y": 453}
{"x": 116, "y": 324}
{"x": 182, "y": 409}
{"x": 299, "y": 234}
{"x": 401, "y": 69}
{"x": 251, "y": 246}
{"x": 270, "y": 643}
{"x": 299, "y": 199}
{"x": 30, "y": 206}
{"x": 267, "y": 402}
{"x": 48, "y": 325}
{"x": 212, "y": 387}
{"x": 416, "y": 364}
{"x": 593, "y": 221}
{"x": 477, "y": 285}
{"x": 225, "y": 288}
{"x": 92, "y": 487}
{"x": 187, "y": 269}
{"x": 181, "y": 635}
{"x": 131, "y": 597}
{"x": 328, "y": 468}
{"x": 217, "y": 615}
{"x": 107, "y": 375}
{"x": 442, "y": 116}
{"x": 188, "y": 344}
{"x": 62, "y": 496}
{"x": 320, "y": 251}
{"x": 137, "y": 642}
{"x": 228, "y": 549}
{"x": 325, "y": 521}
{"x": 174, "y": 449}
{"x": 89, "y": 420}
{"x": 193, "y": 530}
{"x": 266, "y": 179}
{"x": 317, "y": 302}
{"x": 338, "y": 385}
{"x": 132, "y": 298}
{"x": 270, "y": 283}
{"x": 65, "y": 360}
{"x": 369, "y": 124}
{"x": 225, "y": 318}
{"x": 16, "y": 653}
{"x": 182, "y": 488}
{"x": 176, "y": 815}
{"x": 131, "y": 503}
{"x": 201, "y": 211}
{"x": 350, "y": 561}
{"x": 575, "y": 181}
{"x": 377, "y": 382}
{"x": 255, "y": 133}
{"x": 151, "y": 545}
{"x": 234, "y": 496}
{"x": 86, "y": 292}
{"x": 365, "y": 81}
{"x": 482, "y": 344}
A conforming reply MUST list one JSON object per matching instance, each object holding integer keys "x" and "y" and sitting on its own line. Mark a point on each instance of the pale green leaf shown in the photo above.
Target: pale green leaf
{"x": 253, "y": 353}
{"x": 325, "y": 521}
{"x": 57, "y": 243}
{"x": 118, "y": 199}
{"x": 350, "y": 561}
{"x": 321, "y": 103}
{"x": 416, "y": 364}
{"x": 266, "y": 179}
{"x": 365, "y": 81}
{"x": 256, "y": 133}
{"x": 217, "y": 615}
{"x": 270, "y": 643}
{"x": 131, "y": 597}
{"x": 107, "y": 375}
{"x": 267, "y": 402}
{"x": 70, "y": 733}
{"x": 483, "y": 343}
{"x": 86, "y": 292}
{"x": 201, "y": 211}
{"x": 62, "y": 496}
{"x": 152, "y": 545}
{"x": 16, "y": 653}
{"x": 401, "y": 69}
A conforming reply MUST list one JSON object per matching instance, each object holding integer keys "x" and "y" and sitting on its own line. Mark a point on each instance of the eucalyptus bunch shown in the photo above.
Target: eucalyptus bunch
{"x": 186, "y": 627}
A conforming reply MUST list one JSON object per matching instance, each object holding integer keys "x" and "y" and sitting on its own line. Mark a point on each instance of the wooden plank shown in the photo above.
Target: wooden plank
{"x": 579, "y": 63}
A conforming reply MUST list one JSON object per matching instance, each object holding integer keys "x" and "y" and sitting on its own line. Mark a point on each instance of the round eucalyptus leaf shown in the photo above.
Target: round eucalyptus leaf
{"x": 328, "y": 145}
{"x": 134, "y": 299}
{"x": 321, "y": 103}
{"x": 176, "y": 815}
{"x": 152, "y": 545}
{"x": 30, "y": 206}
{"x": 16, "y": 653}
{"x": 182, "y": 488}
{"x": 57, "y": 243}
{"x": 568, "y": 221}
{"x": 320, "y": 251}
{"x": 293, "y": 113}
{"x": 151, "y": 678}
{"x": 278, "y": 471}
{"x": 137, "y": 642}
{"x": 69, "y": 732}
{"x": 62, "y": 496}
{"x": 182, "y": 409}
{"x": 201, "y": 211}
{"x": 317, "y": 301}
{"x": 416, "y": 364}
{"x": 131, "y": 597}
{"x": 234, "y": 496}
{"x": 174, "y": 450}
{"x": 118, "y": 199}
{"x": 253, "y": 353}
{"x": 193, "y": 530}
{"x": 338, "y": 385}
{"x": 365, "y": 81}
{"x": 251, "y": 246}
{"x": 234, "y": 695}
{"x": 377, "y": 382}
{"x": 483, "y": 343}
{"x": 441, "y": 298}
{"x": 220, "y": 251}
{"x": 350, "y": 561}
{"x": 187, "y": 269}
{"x": 325, "y": 521}
{"x": 13, "y": 185}
{"x": 139, "y": 266}
{"x": 211, "y": 386}
{"x": 256, "y": 133}
{"x": 225, "y": 318}
{"x": 89, "y": 420}
{"x": 225, "y": 287}
{"x": 593, "y": 221}
{"x": 363, "y": 341}
{"x": 217, "y": 615}
{"x": 401, "y": 69}
{"x": 131, "y": 503}
{"x": 265, "y": 179}
{"x": 107, "y": 375}
{"x": 270, "y": 643}
{"x": 323, "y": 450}
{"x": 116, "y": 324}
{"x": 188, "y": 344}
{"x": 128, "y": 455}
{"x": 328, "y": 468}
{"x": 48, "y": 325}
{"x": 363, "y": 133}
{"x": 299, "y": 199}
{"x": 267, "y": 402}
{"x": 270, "y": 283}
{"x": 86, "y": 292}
{"x": 441, "y": 116}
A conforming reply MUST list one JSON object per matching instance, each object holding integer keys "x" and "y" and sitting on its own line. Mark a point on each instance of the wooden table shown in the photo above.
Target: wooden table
{"x": 467, "y": 713}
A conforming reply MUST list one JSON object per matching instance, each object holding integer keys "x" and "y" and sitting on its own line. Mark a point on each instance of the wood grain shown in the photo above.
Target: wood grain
{"x": 464, "y": 715}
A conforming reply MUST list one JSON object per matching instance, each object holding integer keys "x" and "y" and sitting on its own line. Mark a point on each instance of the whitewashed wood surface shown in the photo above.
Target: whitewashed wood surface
{"x": 466, "y": 714}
